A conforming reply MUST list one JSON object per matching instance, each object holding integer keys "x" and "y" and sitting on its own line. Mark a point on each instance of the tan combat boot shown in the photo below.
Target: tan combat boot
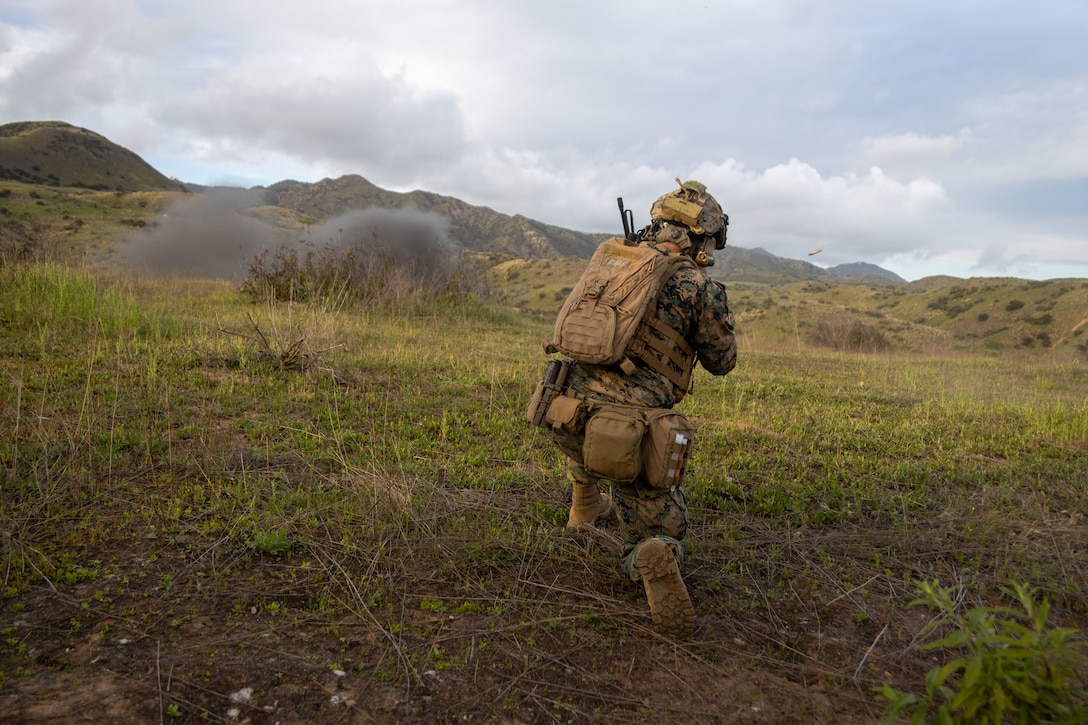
{"x": 588, "y": 505}
{"x": 670, "y": 605}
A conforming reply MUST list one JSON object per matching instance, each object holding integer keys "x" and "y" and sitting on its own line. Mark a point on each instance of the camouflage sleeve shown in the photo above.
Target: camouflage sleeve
{"x": 712, "y": 329}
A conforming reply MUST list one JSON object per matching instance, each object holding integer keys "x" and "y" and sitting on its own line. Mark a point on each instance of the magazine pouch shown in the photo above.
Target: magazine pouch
{"x": 551, "y": 385}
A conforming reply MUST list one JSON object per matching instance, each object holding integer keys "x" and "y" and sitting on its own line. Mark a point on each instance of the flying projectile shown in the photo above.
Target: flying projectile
{"x": 815, "y": 251}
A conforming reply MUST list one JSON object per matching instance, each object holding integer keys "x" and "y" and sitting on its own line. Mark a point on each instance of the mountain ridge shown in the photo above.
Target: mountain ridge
{"x": 478, "y": 228}
{"x": 864, "y": 269}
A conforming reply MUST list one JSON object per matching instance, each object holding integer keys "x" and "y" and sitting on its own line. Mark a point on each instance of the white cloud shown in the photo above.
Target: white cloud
{"x": 792, "y": 208}
{"x": 345, "y": 115}
{"x": 1055, "y": 116}
{"x": 913, "y": 149}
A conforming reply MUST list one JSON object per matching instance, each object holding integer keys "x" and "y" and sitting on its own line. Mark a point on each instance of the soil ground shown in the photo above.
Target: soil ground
{"x": 570, "y": 646}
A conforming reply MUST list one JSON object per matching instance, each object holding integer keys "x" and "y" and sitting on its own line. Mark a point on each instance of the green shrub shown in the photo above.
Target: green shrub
{"x": 1010, "y": 668}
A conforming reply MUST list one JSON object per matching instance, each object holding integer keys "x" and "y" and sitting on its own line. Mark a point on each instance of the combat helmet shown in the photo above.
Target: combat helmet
{"x": 686, "y": 211}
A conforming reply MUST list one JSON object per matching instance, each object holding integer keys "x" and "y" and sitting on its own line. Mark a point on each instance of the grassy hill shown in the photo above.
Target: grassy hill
{"x": 988, "y": 315}
{"x": 54, "y": 153}
{"x": 73, "y": 223}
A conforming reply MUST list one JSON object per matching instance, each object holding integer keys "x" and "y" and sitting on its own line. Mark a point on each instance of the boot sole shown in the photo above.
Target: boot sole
{"x": 670, "y": 605}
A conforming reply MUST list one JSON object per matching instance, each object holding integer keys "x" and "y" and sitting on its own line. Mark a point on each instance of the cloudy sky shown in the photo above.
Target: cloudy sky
{"x": 926, "y": 136}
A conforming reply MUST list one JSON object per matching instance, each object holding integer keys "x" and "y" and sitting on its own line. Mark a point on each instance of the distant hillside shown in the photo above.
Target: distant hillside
{"x": 53, "y": 153}
{"x": 68, "y": 190}
{"x": 864, "y": 270}
{"x": 477, "y": 228}
{"x": 759, "y": 265}
{"x": 780, "y": 303}
{"x": 482, "y": 229}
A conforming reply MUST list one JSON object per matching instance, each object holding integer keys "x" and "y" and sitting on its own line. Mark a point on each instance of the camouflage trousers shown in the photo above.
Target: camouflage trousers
{"x": 643, "y": 513}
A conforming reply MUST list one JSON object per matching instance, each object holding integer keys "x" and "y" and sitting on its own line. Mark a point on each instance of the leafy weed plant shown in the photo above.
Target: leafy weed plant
{"x": 1011, "y": 666}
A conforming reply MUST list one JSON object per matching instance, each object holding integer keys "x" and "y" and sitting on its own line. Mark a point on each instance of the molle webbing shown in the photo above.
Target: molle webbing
{"x": 674, "y": 348}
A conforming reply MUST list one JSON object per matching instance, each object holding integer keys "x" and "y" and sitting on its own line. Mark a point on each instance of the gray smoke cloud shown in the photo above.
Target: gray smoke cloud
{"x": 218, "y": 235}
{"x": 407, "y": 238}
{"x": 204, "y": 235}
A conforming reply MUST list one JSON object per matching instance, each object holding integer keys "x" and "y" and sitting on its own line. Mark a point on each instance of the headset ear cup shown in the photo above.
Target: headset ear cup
{"x": 719, "y": 243}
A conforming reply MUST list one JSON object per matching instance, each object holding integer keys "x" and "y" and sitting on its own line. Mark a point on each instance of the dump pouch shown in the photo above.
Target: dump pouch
{"x": 667, "y": 447}
{"x": 613, "y": 444}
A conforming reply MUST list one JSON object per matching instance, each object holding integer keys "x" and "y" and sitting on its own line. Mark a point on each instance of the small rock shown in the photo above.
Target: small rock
{"x": 85, "y": 651}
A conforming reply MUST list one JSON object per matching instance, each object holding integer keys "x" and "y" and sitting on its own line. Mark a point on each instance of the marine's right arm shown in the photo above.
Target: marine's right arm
{"x": 713, "y": 336}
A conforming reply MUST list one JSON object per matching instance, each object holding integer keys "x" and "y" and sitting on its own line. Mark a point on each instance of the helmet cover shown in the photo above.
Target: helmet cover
{"x": 691, "y": 206}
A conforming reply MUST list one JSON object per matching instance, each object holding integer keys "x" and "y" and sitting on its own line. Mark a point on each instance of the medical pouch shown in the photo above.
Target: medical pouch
{"x": 667, "y": 447}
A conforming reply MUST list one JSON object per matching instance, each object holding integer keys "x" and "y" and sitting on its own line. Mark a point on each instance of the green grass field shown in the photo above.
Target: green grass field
{"x": 345, "y": 511}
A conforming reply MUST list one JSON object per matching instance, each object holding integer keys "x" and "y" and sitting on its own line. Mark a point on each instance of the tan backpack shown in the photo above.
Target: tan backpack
{"x": 601, "y": 316}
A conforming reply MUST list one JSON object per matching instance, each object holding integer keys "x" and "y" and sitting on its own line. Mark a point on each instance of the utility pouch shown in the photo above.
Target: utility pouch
{"x": 566, "y": 413}
{"x": 670, "y": 438}
{"x": 613, "y": 444}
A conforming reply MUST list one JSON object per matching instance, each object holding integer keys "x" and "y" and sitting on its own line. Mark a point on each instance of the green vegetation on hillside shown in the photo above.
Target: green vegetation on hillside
{"x": 73, "y": 224}
{"x": 988, "y": 316}
{"x": 53, "y": 153}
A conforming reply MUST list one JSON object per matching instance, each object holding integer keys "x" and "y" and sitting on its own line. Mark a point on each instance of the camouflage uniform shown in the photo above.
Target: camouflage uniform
{"x": 696, "y": 306}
